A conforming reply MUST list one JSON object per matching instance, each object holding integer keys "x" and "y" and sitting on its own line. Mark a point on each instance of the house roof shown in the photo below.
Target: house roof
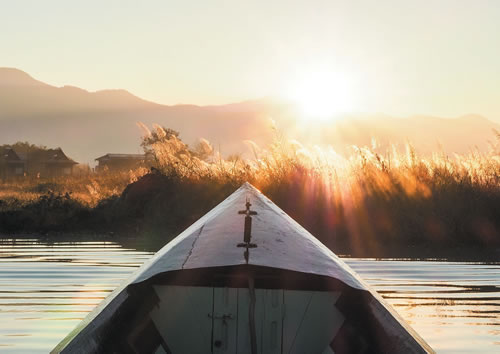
{"x": 57, "y": 156}
{"x": 8, "y": 154}
{"x": 52, "y": 156}
{"x": 281, "y": 243}
{"x": 121, "y": 157}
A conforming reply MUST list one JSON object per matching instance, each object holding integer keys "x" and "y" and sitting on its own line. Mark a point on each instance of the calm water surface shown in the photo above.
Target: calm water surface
{"x": 45, "y": 290}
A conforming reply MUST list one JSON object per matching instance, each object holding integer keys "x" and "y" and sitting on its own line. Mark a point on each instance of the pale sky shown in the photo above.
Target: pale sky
{"x": 439, "y": 57}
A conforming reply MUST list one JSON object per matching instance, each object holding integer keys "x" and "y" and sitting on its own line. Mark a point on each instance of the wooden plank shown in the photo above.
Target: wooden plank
{"x": 225, "y": 317}
{"x": 311, "y": 321}
{"x": 296, "y": 303}
{"x": 183, "y": 318}
{"x": 272, "y": 321}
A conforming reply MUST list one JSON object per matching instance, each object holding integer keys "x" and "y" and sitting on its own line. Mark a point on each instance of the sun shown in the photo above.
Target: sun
{"x": 323, "y": 95}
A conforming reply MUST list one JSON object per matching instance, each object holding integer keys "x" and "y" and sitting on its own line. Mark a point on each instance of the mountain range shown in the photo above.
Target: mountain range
{"x": 90, "y": 124}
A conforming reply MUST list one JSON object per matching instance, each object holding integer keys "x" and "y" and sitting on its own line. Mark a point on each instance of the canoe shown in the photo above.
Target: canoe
{"x": 244, "y": 278}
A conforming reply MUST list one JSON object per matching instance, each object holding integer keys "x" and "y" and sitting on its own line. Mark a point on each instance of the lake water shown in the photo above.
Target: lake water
{"x": 46, "y": 289}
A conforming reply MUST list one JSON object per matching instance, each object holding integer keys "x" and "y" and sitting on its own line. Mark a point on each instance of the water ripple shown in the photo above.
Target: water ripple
{"x": 46, "y": 289}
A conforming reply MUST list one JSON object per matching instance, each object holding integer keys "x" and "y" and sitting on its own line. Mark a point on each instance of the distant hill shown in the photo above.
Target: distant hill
{"x": 22, "y": 96}
{"x": 10, "y": 78}
{"x": 89, "y": 124}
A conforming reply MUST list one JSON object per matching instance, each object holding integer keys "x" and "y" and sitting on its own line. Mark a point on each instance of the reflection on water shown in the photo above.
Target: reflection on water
{"x": 454, "y": 306}
{"x": 45, "y": 290}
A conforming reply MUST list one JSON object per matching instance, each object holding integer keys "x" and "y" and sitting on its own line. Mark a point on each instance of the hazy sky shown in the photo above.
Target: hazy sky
{"x": 437, "y": 57}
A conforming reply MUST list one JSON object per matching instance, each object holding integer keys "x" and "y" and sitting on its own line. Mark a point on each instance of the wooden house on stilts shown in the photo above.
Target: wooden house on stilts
{"x": 11, "y": 165}
{"x": 245, "y": 278}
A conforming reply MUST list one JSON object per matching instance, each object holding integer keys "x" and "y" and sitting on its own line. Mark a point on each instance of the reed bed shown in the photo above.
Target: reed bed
{"x": 370, "y": 202}
{"x": 88, "y": 189}
{"x": 366, "y": 202}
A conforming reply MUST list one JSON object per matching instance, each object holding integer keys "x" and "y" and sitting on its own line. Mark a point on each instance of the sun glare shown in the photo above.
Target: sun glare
{"x": 323, "y": 95}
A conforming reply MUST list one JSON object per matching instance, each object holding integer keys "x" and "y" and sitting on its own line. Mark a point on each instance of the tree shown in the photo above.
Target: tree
{"x": 24, "y": 147}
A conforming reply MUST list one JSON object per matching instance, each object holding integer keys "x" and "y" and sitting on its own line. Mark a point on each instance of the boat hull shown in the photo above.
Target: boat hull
{"x": 207, "y": 311}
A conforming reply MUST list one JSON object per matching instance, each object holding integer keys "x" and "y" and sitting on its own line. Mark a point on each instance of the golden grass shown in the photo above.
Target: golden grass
{"x": 364, "y": 171}
{"x": 368, "y": 201}
{"x": 88, "y": 189}
{"x": 348, "y": 179}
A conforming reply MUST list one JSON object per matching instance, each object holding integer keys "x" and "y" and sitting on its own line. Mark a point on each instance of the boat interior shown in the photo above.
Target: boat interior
{"x": 245, "y": 309}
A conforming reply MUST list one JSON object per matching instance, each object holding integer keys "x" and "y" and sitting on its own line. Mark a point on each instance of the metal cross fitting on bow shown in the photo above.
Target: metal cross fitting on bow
{"x": 247, "y": 232}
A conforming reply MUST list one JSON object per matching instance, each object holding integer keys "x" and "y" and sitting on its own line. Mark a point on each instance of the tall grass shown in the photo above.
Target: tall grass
{"x": 365, "y": 201}
{"x": 369, "y": 202}
{"x": 366, "y": 170}
{"x": 87, "y": 189}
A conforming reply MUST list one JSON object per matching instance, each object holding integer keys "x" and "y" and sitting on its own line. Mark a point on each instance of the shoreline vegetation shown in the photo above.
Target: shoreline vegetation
{"x": 369, "y": 204}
